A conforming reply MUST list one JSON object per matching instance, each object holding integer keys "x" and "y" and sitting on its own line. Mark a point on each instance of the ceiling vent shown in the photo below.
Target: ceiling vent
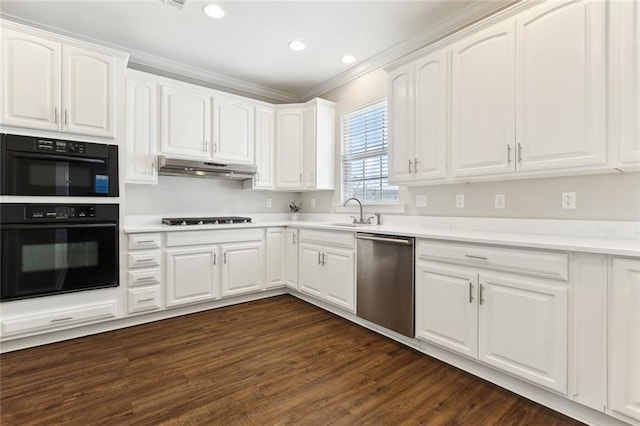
{"x": 175, "y": 3}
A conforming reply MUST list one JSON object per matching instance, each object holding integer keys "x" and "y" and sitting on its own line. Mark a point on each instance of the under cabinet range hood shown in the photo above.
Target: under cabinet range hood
{"x": 204, "y": 169}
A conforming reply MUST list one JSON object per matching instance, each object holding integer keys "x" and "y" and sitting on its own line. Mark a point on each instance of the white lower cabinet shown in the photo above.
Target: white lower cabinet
{"x": 624, "y": 338}
{"x": 327, "y": 267}
{"x": 291, "y": 258}
{"x": 513, "y": 322}
{"x": 275, "y": 267}
{"x": 144, "y": 276}
{"x": 144, "y": 299}
{"x": 192, "y": 274}
{"x": 242, "y": 268}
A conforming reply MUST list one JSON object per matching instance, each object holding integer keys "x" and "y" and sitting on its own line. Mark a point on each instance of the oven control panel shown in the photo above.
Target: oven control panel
{"x": 59, "y": 212}
{"x": 60, "y": 146}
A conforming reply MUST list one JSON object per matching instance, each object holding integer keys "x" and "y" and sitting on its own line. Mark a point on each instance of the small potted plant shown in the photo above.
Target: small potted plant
{"x": 294, "y": 208}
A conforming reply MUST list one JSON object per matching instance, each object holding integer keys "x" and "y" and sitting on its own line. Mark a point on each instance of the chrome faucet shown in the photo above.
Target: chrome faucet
{"x": 361, "y": 220}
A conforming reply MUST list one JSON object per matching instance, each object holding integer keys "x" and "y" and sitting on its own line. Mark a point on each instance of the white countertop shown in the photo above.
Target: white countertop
{"x": 585, "y": 244}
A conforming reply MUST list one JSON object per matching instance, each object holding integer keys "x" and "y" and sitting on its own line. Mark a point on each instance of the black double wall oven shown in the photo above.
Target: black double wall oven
{"x": 51, "y": 248}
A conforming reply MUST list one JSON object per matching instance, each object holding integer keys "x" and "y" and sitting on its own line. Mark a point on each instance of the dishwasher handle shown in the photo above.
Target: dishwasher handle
{"x": 406, "y": 242}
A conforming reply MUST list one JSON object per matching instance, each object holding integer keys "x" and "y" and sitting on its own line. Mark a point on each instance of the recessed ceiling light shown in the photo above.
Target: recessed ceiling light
{"x": 297, "y": 45}
{"x": 213, "y": 11}
{"x": 348, "y": 59}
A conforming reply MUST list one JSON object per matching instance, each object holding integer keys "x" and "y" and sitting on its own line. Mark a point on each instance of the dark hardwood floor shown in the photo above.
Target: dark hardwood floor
{"x": 273, "y": 361}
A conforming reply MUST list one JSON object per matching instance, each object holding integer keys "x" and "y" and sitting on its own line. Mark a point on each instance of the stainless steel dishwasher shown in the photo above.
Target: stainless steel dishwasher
{"x": 385, "y": 281}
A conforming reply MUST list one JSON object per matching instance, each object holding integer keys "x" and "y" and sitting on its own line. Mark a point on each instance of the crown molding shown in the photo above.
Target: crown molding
{"x": 469, "y": 15}
{"x": 158, "y": 65}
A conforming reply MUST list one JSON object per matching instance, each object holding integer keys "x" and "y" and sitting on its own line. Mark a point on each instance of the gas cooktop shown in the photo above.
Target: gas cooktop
{"x": 204, "y": 220}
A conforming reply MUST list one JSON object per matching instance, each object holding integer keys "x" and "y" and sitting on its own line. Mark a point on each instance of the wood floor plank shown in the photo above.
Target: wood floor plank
{"x": 277, "y": 361}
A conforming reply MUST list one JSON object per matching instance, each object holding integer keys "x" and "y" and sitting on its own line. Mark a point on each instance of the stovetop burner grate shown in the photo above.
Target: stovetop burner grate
{"x": 173, "y": 221}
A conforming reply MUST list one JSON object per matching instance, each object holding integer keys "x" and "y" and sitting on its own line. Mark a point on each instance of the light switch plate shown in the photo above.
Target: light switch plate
{"x": 568, "y": 200}
{"x": 460, "y": 201}
{"x": 421, "y": 201}
{"x": 499, "y": 201}
{"x": 268, "y": 203}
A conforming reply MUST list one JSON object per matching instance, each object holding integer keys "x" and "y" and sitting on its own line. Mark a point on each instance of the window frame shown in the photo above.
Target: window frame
{"x": 343, "y": 192}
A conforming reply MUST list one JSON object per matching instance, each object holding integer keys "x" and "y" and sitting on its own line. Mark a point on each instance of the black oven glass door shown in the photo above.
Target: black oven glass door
{"x": 58, "y": 258}
{"x": 34, "y": 173}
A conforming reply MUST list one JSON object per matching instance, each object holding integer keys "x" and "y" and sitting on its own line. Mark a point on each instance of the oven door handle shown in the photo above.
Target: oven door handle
{"x": 56, "y": 157}
{"x": 60, "y": 225}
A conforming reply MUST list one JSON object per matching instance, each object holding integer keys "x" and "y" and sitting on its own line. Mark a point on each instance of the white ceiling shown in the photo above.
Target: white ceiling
{"x": 248, "y": 50}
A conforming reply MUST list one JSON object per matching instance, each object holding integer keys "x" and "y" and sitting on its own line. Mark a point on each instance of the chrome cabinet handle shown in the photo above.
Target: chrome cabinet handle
{"x": 214, "y": 259}
{"x": 224, "y": 258}
{"x": 206, "y": 146}
{"x": 323, "y": 259}
{"x": 294, "y": 239}
{"x": 470, "y": 292}
{"x": 410, "y": 162}
{"x": 481, "y": 293}
{"x": 475, "y": 257}
{"x": 144, "y": 278}
{"x": 508, "y": 154}
{"x": 319, "y": 258}
{"x": 153, "y": 167}
{"x": 145, "y": 241}
{"x": 66, "y": 117}
{"x": 144, "y": 260}
{"x": 300, "y": 177}
{"x": 55, "y": 114}
{"x": 149, "y": 299}
{"x": 415, "y": 165}
{"x": 215, "y": 146}
{"x": 519, "y": 153}
{"x": 61, "y": 319}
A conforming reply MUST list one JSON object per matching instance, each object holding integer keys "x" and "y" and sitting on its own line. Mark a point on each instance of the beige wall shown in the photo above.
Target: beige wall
{"x": 598, "y": 197}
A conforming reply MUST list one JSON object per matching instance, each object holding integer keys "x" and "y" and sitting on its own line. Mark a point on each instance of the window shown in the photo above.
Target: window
{"x": 365, "y": 158}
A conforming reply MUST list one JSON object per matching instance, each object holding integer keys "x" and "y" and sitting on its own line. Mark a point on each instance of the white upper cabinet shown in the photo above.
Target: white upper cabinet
{"x": 141, "y": 125}
{"x": 88, "y": 92}
{"x": 265, "y": 147}
{"x": 233, "y": 129}
{"x": 483, "y": 115}
{"x": 185, "y": 121}
{"x": 401, "y": 123}
{"x": 289, "y": 147}
{"x": 624, "y": 338}
{"x": 31, "y": 81}
{"x": 625, "y": 78}
{"x": 319, "y": 144}
{"x": 50, "y": 85}
{"x": 560, "y": 85}
{"x": 431, "y": 116}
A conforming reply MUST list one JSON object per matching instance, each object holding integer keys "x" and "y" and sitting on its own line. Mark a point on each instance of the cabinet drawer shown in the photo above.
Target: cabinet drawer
{"x": 531, "y": 262}
{"x": 60, "y": 318}
{"x": 144, "y": 299}
{"x": 144, "y": 241}
{"x": 185, "y": 238}
{"x": 144, "y": 259}
{"x": 143, "y": 277}
{"x": 341, "y": 239}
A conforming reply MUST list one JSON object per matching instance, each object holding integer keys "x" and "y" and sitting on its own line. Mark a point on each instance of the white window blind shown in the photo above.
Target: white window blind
{"x": 365, "y": 158}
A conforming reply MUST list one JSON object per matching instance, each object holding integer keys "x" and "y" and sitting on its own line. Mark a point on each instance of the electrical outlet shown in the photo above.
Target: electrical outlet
{"x": 313, "y": 203}
{"x": 460, "y": 201}
{"x": 421, "y": 201}
{"x": 499, "y": 201}
{"x": 268, "y": 203}
{"x": 568, "y": 200}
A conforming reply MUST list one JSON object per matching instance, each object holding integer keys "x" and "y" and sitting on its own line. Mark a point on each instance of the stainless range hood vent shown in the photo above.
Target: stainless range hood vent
{"x": 175, "y": 3}
{"x": 204, "y": 169}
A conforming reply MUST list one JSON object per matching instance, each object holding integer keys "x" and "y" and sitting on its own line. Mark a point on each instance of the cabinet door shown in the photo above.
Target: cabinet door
{"x": 186, "y": 123}
{"x": 626, "y": 20}
{"x": 233, "y": 130}
{"x": 309, "y": 148}
{"x": 265, "y": 147}
{"x": 482, "y": 102}
{"x": 275, "y": 257}
{"x": 88, "y": 92}
{"x": 431, "y": 117}
{"x": 340, "y": 281}
{"x": 523, "y": 329}
{"x": 401, "y": 124}
{"x": 242, "y": 268}
{"x": 141, "y": 123}
{"x": 31, "y": 77}
{"x": 561, "y": 85}
{"x": 624, "y": 338}
{"x": 291, "y": 258}
{"x": 192, "y": 275}
{"x": 289, "y": 147}
{"x": 311, "y": 271}
{"x": 447, "y": 307}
